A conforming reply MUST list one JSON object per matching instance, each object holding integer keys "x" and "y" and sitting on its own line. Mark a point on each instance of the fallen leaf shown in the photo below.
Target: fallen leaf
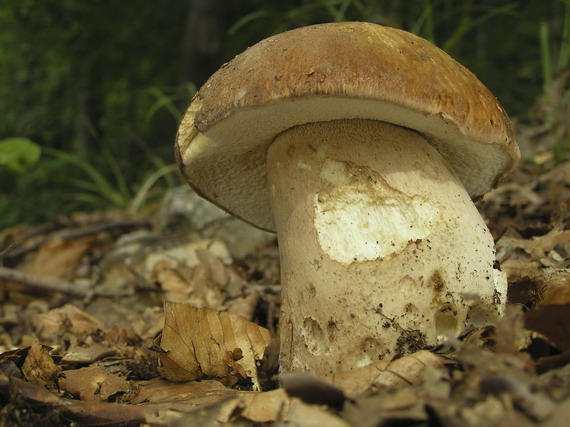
{"x": 551, "y": 316}
{"x": 312, "y": 390}
{"x": 197, "y": 344}
{"x": 560, "y": 415}
{"x": 195, "y": 393}
{"x": 554, "y": 285}
{"x": 83, "y": 413}
{"x": 150, "y": 324}
{"x": 400, "y": 407}
{"x": 244, "y": 306}
{"x": 552, "y": 321}
{"x": 216, "y": 268}
{"x": 39, "y": 367}
{"x": 269, "y": 406}
{"x": 186, "y": 254}
{"x": 405, "y": 370}
{"x": 59, "y": 258}
{"x": 93, "y": 384}
{"x": 86, "y": 352}
{"x": 302, "y": 414}
{"x": 66, "y": 318}
{"x": 173, "y": 283}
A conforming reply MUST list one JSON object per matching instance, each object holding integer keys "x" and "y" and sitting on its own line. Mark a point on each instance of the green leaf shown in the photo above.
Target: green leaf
{"x": 18, "y": 154}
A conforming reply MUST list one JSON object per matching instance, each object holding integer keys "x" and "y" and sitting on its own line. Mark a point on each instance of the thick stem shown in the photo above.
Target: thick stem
{"x": 382, "y": 250}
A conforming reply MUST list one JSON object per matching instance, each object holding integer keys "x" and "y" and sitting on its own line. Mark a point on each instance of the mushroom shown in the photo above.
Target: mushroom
{"x": 362, "y": 146}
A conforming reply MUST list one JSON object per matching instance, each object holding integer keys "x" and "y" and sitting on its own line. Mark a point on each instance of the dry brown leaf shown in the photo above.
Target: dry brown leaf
{"x": 400, "y": 407}
{"x": 560, "y": 415}
{"x": 150, "y": 324}
{"x": 554, "y": 285}
{"x": 551, "y": 317}
{"x": 168, "y": 402}
{"x": 39, "y": 367}
{"x": 406, "y": 370}
{"x": 173, "y": 283}
{"x": 201, "y": 343}
{"x": 82, "y": 413}
{"x": 66, "y": 318}
{"x": 538, "y": 246}
{"x": 59, "y": 258}
{"x": 244, "y": 306}
{"x": 186, "y": 254}
{"x": 87, "y": 352}
{"x": 216, "y": 268}
{"x": 116, "y": 336}
{"x": 269, "y": 406}
{"x": 552, "y": 321}
{"x": 10, "y": 314}
{"x": 517, "y": 268}
{"x": 93, "y": 384}
{"x": 302, "y": 414}
{"x": 204, "y": 293}
{"x": 195, "y": 393}
{"x": 355, "y": 382}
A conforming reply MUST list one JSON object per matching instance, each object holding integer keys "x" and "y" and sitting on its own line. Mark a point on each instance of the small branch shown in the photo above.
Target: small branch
{"x": 41, "y": 283}
{"x": 78, "y": 233}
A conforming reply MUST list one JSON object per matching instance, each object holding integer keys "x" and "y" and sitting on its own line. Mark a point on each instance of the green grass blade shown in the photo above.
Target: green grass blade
{"x": 104, "y": 187}
{"x": 564, "y": 53}
{"x": 545, "y": 59}
{"x": 245, "y": 20}
{"x": 122, "y": 185}
{"x": 467, "y": 24}
{"x": 151, "y": 180}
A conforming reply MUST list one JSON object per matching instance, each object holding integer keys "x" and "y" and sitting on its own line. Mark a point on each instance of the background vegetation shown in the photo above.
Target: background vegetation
{"x": 100, "y": 85}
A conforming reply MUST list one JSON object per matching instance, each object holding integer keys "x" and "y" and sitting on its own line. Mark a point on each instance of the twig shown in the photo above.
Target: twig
{"x": 41, "y": 283}
{"x": 77, "y": 233}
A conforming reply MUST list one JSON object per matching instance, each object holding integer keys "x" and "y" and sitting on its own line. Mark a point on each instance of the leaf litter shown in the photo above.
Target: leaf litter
{"x": 171, "y": 319}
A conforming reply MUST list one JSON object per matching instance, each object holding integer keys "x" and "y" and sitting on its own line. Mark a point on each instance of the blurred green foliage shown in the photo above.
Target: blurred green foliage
{"x": 17, "y": 154}
{"x": 101, "y": 85}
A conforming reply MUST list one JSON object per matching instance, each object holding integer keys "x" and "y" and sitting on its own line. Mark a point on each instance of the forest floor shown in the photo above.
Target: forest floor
{"x": 87, "y": 338}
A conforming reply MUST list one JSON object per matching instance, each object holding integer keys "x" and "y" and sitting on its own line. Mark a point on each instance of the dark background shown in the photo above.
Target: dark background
{"x": 105, "y": 81}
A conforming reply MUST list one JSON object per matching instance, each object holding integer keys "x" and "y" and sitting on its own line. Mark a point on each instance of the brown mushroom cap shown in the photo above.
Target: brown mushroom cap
{"x": 329, "y": 72}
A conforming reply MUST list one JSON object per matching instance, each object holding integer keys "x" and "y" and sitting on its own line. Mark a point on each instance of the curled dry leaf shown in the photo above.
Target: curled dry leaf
{"x": 244, "y": 306}
{"x": 312, "y": 390}
{"x": 72, "y": 411}
{"x": 59, "y": 258}
{"x": 186, "y": 254}
{"x": 551, "y": 317}
{"x": 302, "y": 414}
{"x": 87, "y": 352}
{"x": 39, "y": 367}
{"x": 150, "y": 324}
{"x": 200, "y": 343}
{"x": 93, "y": 384}
{"x": 521, "y": 257}
{"x": 173, "y": 283}
{"x": 64, "y": 319}
{"x": 194, "y": 394}
{"x": 263, "y": 407}
{"x": 406, "y": 370}
{"x": 204, "y": 279}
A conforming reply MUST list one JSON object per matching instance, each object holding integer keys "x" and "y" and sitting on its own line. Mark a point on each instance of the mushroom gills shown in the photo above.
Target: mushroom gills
{"x": 377, "y": 237}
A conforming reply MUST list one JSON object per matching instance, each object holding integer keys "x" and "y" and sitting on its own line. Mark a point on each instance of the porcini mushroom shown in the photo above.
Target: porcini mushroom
{"x": 362, "y": 146}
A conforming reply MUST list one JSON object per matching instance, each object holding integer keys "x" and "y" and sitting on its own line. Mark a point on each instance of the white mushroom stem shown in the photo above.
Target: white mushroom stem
{"x": 382, "y": 250}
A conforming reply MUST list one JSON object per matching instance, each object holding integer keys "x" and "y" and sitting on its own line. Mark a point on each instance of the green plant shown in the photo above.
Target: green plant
{"x": 555, "y": 100}
{"x": 169, "y": 101}
{"x": 551, "y": 66}
{"x": 98, "y": 191}
{"x": 18, "y": 154}
{"x": 561, "y": 151}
